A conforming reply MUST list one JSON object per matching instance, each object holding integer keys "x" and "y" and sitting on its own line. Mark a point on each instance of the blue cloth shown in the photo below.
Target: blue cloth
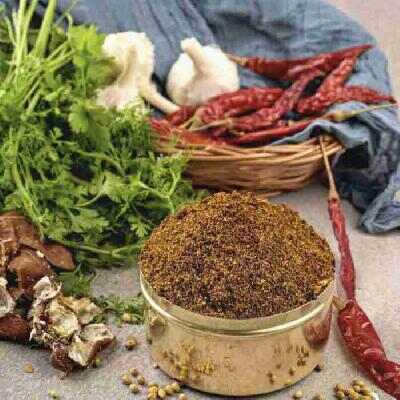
{"x": 369, "y": 172}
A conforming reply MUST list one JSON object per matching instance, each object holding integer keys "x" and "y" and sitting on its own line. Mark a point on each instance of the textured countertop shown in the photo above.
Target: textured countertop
{"x": 377, "y": 261}
{"x": 376, "y": 258}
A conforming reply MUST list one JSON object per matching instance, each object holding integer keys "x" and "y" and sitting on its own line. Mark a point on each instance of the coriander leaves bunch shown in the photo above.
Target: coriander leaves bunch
{"x": 86, "y": 176}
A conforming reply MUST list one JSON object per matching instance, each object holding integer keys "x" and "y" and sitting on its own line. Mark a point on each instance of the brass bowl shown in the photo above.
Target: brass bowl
{"x": 237, "y": 357}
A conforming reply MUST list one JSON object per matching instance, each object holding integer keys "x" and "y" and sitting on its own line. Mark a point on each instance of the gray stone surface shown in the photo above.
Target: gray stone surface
{"x": 377, "y": 262}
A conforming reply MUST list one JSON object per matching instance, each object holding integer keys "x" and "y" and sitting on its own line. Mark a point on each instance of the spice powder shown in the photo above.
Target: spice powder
{"x": 237, "y": 256}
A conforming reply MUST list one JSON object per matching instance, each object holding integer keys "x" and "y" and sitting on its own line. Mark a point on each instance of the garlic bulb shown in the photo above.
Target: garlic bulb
{"x": 134, "y": 54}
{"x": 200, "y": 73}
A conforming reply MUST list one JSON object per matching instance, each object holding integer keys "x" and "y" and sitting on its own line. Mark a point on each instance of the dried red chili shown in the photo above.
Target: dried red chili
{"x": 356, "y": 328}
{"x": 364, "y": 343}
{"x": 272, "y": 133}
{"x": 292, "y": 69}
{"x": 338, "y": 76}
{"x": 182, "y": 115}
{"x": 318, "y": 104}
{"x": 266, "y": 117}
{"x": 165, "y": 129}
{"x": 236, "y": 103}
{"x": 347, "y": 271}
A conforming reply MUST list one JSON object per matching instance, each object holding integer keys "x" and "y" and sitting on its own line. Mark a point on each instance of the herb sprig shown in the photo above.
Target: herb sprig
{"x": 86, "y": 176}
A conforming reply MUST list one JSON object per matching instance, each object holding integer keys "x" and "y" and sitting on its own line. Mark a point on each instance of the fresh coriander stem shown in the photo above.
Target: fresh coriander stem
{"x": 91, "y": 249}
{"x": 100, "y": 157}
{"x": 44, "y": 32}
{"x": 25, "y": 30}
{"x": 19, "y": 24}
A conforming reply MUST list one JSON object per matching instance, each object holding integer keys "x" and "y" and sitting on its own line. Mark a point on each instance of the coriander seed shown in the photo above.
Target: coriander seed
{"x": 134, "y": 388}
{"x": 126, "y": 380}
{"x": 134, "y": 372}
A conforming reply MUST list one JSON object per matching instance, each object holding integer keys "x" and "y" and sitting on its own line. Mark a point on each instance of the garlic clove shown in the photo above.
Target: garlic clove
{"x": 201, "y": 73}
{"x": 134, "y": 55}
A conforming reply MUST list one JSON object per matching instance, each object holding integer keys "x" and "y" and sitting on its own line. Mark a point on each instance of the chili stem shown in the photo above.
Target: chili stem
{"x": 333, "y": 194}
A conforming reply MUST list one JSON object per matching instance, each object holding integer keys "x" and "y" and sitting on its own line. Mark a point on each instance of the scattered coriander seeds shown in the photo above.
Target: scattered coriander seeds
{"x": 292, "y": 371}
{"x": 182, "y": 396}
{"x": 141, "y": 380}
{"x": 162, "y": 394}
{"x": 134, "y": 388}
{"x": 126, "y": 379}
{"x": 340, "y": 395}
{"x": 155, "y": 366}
{"x": 28, "y": 368}
{"x": 126, "y": 317}
{"x": 54, "y": 395}
{"x": 134, "y": 372}
{"x": 319, "y": 397}
{"x": 176, "y": 387}
{"x": 152, "y": 384}
{"x": 340, "y": 387}
{"x": 366, "y": 391}
{"x": 169, "y": 390}
{"x": 288, "y": 382}
{"x": 131, "y": 343}
{"x": 358, "y": 382}
{"x": 357, "y": 388}
{"x": 298, "y": 395}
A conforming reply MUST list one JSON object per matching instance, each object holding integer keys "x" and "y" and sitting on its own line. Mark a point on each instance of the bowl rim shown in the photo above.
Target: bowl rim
{"x": 252, "y": 326}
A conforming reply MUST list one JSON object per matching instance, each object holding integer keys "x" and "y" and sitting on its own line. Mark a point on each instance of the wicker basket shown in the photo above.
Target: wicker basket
{"x": 267, "y": 169}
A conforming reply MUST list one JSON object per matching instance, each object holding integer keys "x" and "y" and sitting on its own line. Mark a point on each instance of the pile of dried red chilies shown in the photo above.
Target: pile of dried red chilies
{"x": 356, "y": 328}
{"x": 259, "y": 115}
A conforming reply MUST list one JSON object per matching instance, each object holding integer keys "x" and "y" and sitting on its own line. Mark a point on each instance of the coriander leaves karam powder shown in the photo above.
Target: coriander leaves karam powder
{"x": 233, "y": 255}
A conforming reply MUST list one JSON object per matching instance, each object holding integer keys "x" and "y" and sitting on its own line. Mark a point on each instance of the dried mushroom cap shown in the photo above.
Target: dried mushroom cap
{"x": 7, "y": 303}
{"x": 44, "y": 291}
{"x": 63, "y": 322}
{"x": 14, "y": 328}
{"x": 59, "y": 358}
{"x": 85, "y": 310}
{"x": 29, "y": 268}
{"x": 15, "y": 230}
{"x": 59, "y": 256}
{"x": 8, "y": 240}
{"x": 92, "y": 339}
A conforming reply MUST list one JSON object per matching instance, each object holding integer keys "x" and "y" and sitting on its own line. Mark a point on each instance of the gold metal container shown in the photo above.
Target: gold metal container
{"x": 237, "y": 357}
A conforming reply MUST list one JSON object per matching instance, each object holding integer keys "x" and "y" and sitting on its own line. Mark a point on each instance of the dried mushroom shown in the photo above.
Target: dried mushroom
{"x": 60, "y": 324}
{"x": 12, "y": 326}
{"x": 92, "y": 339}
{"x": 29, "y": 268}
{"x": 7, "y": 303}
{"x": 17, "y": 232}
{"x": 60, "y": 359}
{"x": 15, "y": 328}
{"x": 85, "y": 310}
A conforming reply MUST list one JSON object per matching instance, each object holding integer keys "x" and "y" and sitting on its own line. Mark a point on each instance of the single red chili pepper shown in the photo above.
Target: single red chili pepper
{"x": 364, "y": 343}
{"x": 268, "y": 135}
{"x": 165, "y": 129}
{"x": 338, "y": 76}
{"x": 292, "y": 69}
{"x": 356, "y": 328}
{"x": 319, "y": 103}
{"x": 268, "y": 116}
{"x": 236, "y": 103}
{"x": 182, "y": 115}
